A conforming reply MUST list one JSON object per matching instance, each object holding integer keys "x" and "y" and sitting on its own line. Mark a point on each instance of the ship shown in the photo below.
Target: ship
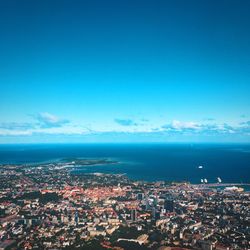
{"x": 234, "y": 189}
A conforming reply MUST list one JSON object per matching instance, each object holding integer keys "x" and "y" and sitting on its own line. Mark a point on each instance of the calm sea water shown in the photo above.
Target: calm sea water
{"x": 170, "y": 162}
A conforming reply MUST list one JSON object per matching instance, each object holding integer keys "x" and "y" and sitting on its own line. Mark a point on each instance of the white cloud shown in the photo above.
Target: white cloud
{"x": 125, "y": 122}
{"x": 47, "y": 120}
{"x": 15, "y": 132}
{"x": 184, "y": 125}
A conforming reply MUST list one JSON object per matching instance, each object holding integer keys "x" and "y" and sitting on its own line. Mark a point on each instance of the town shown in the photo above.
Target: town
{"x": 51, "y": 207}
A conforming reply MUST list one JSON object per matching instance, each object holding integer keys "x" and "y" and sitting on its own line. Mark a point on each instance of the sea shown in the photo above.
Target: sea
{"x": 145, "y": 162}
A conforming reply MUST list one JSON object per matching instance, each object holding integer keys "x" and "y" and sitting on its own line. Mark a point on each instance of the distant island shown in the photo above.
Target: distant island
{"x": 63, "y": 163}
{"x": 87, "y": 162}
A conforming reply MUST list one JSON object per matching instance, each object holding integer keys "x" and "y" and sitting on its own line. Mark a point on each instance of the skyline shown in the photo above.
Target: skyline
{"x": 124, "y": 72}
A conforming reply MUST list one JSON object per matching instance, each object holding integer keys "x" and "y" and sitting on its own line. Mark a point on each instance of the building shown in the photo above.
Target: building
{"x": 7, "y": 244}
{"x": 140, "y": 196}
{"x": 169, "y": 205}
{"x": 133, "y": 215}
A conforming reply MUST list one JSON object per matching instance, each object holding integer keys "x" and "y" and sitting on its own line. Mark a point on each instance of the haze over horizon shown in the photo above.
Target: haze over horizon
{"x": 124, "y": 71}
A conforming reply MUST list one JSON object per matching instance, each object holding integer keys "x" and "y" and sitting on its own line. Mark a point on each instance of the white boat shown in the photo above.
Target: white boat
{"x": 219, "y": 180}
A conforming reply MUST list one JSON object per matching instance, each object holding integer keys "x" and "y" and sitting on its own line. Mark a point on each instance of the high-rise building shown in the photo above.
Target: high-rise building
{"x": 147, "y": 204}
{"x": 140, "y": 196}
{"x": 169, "y": 205}
{"x": 155, "y": 201}
{"x": 133, "y": 215}
{"x": 155, "y": 214}
{"x": 76, "y": 217}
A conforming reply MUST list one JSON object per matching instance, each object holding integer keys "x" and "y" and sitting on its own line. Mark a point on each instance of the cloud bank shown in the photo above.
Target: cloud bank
{"x": 47, "y": 124}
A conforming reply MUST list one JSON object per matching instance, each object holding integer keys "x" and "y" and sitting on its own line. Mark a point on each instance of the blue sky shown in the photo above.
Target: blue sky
{"x": 124, "y": 71}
